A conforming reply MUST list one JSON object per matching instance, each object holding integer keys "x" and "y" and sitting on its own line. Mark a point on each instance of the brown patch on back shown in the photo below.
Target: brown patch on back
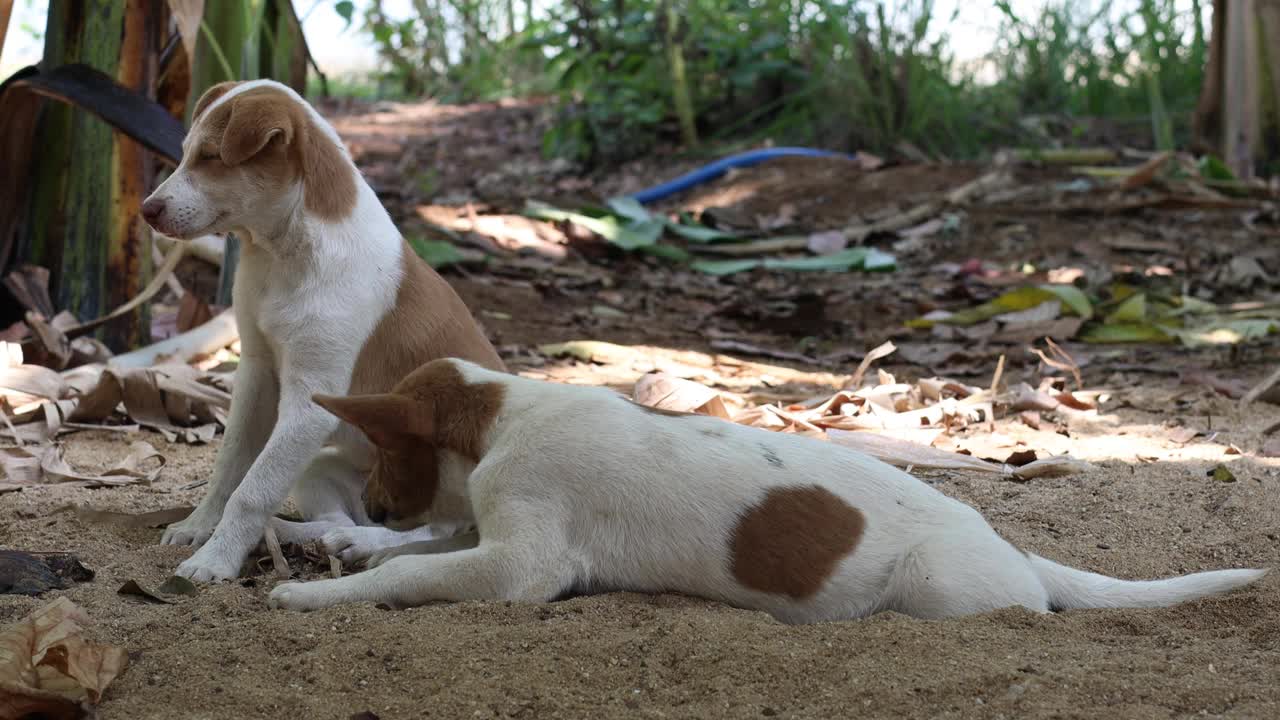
{"x": 793, "y": 540}
{"x": 245, "y": 125}
{"x": 429, "y": 321}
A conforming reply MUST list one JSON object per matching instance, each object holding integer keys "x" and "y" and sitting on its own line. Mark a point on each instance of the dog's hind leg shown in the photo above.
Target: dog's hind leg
{"x": 962, "y": 571}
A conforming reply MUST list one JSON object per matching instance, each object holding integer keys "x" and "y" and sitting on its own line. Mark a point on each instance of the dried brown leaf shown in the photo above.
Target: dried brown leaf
{"x": 192, "y": 312}
{"x": 187, "y": 14}
{"x": 278, "y": 562}
{"x": 131, "y": 588}
{"x": 662, "y": 391}
{"x": 904, "y": 453}
{"x": 1057, "y": 466}
{"x": 47, "y": 668}
{"x": 176, "y": 585}
{"x": 880, "y": 351}
{"x": 153, "y": 519}
{"x": 51, "y": 467}
{"x": 1018, "y": 458}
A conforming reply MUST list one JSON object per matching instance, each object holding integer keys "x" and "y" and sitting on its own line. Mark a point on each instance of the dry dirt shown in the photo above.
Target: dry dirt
{"x": 1147, "y": 510}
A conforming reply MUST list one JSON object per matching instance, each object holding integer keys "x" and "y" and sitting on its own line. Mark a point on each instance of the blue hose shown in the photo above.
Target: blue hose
{"x": 707, "y": 173}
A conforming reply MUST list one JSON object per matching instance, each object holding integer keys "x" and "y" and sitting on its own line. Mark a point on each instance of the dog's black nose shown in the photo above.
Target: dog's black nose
{"x": 152, "y": 210}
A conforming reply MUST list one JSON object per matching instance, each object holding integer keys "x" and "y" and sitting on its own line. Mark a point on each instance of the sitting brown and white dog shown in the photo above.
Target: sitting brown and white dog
{"x": 580, "y": 489}
{"x": 328, "y": 298}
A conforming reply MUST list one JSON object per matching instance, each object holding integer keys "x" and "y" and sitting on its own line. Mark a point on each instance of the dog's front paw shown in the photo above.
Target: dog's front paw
{"x": 382, "y": 556}
{"x": 195, "y": 530}
{"x": 351, "y": 544}
{"x": 208, "y": 566}
{"x": 303, "y": 597}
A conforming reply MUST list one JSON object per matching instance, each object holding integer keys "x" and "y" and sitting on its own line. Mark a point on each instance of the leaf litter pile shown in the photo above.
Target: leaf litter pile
{"x": 959, "y": 321}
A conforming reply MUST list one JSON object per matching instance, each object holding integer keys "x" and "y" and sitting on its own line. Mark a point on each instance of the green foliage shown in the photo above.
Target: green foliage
{"x": 844, "y": 74}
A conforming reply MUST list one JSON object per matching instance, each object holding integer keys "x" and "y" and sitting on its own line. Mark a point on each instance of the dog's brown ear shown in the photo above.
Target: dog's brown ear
{"x": 392, "y": 422}
{"x": 255, "y": 120}
{"x": 211, "y": 95}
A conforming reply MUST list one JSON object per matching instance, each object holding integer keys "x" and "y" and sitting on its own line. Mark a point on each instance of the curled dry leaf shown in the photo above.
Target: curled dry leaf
{"x": 904, "y": 453}
{"x": 884, "y": 350}
{"x": 46, "y": 464}
{"x": 131, "y": 588}
{"x": 166, "y": 398}
{"x": 48, "y": 669}
{"x": 664, "y": 392}
{"x": 1058, "y": 466}
{"x": 278, "y": 562}
{"x": 177, "y": 585}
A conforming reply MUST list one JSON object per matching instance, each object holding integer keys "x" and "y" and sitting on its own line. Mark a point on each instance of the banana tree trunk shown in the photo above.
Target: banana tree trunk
{"x": 88, "y": 181}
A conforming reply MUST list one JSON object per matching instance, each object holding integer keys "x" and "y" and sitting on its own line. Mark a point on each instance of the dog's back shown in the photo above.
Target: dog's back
{"x": 801, "y": 528}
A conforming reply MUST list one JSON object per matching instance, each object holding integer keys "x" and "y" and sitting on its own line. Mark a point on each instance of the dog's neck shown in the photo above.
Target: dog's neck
{"x": 284, "y": 233}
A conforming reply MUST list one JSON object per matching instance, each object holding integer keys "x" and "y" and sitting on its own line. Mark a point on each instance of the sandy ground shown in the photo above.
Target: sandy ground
{"x": 223, "y": 654}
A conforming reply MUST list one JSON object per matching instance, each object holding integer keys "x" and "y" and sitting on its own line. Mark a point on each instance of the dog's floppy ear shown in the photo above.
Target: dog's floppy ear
{"x": 392, "y": 422}
{"x": 211, "y": 95}
{"x": 255, "y": 120}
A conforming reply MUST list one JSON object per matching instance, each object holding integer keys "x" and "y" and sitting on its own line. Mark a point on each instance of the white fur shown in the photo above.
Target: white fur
{"x": 307, "y": 296}
{"x": 580, "y": 489}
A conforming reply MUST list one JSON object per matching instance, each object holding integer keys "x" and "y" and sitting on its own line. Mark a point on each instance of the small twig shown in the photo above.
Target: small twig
{"x": 995, "y": 379}
{"x": 1267, "y": 383}
{"x": 878, "y": 352}
{"x": 277, "y": 555}
{"x": 1064, "y": 362}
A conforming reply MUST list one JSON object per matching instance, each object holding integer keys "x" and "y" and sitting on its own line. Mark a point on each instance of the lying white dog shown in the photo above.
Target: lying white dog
{"x": 328, "y": 298}
{"x": 579, "y": 489}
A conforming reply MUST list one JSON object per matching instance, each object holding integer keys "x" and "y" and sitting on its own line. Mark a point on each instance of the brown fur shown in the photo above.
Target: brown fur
{"x": 434, "y": 407}
{"x": 246, "y": 125}
{"x": 792, "y": 541}
{"x": 211, "y": 95}
{"x": 428, "y": 321}
{"x": 428, "y": 318}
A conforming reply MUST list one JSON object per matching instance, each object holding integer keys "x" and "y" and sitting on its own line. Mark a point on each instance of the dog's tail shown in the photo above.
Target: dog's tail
{"x": 1071, "y": 589}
